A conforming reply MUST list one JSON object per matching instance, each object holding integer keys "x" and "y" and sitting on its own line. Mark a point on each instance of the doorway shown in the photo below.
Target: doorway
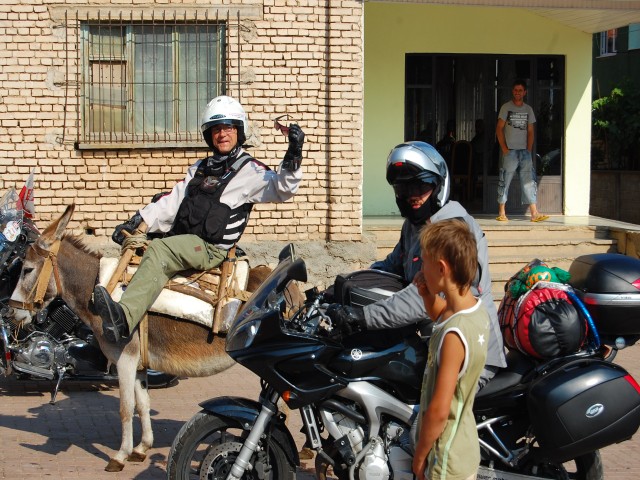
{"x": 454, "y": 99}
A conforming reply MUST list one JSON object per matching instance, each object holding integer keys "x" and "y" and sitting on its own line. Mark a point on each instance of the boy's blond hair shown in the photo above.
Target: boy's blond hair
{"x": 453, "y": 242}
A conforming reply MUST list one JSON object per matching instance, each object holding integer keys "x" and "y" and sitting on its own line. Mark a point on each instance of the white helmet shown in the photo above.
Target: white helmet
{"x": 226, "y": 111}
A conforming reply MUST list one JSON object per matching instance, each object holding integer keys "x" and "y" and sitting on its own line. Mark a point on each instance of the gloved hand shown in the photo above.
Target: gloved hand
{"x": 346, "y": 320}
{"x": 293, "y": 157}
{"x": 129, "y": 226}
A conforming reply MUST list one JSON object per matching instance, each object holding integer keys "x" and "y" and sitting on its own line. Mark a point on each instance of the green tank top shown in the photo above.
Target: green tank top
{"x": 456, "y": 453}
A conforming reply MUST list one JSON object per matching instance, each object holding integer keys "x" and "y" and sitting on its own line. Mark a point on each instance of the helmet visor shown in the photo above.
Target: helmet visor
{"x": 221, "y": 121}
{"x": 412, "y": 189}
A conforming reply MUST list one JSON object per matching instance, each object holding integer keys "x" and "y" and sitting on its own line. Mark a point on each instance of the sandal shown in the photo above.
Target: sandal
{"x": 502, "y": 218}
{"x": 540, "y": 218}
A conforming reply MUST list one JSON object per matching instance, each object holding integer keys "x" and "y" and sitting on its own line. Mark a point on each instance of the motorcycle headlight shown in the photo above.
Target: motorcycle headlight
{"x": 243, "y": 335}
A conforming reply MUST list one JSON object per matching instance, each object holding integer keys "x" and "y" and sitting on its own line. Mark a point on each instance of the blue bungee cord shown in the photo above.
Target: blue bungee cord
{"x": 583, "y": 309}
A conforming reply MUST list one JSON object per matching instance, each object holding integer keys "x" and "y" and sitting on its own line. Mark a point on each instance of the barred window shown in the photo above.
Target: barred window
{"x": 143, "y": 84}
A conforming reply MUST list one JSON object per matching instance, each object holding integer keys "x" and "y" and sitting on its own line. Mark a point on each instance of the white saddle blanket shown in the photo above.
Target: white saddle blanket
{"x": 185, "y": 306}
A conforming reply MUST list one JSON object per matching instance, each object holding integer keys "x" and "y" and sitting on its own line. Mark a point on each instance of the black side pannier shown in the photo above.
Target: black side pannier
{"x": 583, "y": 406}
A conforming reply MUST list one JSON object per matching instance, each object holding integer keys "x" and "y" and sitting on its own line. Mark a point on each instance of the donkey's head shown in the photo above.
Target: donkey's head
{"x": 39, "y": 281}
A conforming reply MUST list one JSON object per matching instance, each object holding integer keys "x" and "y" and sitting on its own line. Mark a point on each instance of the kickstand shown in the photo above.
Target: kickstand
{"x": 54, "y": 393}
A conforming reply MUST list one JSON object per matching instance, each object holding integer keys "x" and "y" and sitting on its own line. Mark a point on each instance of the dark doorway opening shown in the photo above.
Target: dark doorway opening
{"x": 452, "y": 102}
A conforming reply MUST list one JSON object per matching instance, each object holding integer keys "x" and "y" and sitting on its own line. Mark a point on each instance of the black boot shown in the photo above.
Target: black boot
{"x": 114, "y": 321}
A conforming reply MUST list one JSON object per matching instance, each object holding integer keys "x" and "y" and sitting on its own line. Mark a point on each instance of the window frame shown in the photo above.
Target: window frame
{"x": 608, "y": 48}
{"x": 66, "y": 28}
{"x": 129, "y": 135}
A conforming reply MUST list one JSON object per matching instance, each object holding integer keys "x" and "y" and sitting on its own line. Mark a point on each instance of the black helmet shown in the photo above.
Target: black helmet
{"x": 416, "y": 167}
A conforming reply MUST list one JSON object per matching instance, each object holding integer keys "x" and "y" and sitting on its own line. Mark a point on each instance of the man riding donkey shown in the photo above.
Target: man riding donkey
{"x": 203, "y": 216}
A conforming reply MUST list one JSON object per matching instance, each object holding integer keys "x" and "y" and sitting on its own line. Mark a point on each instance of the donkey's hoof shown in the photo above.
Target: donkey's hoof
{"x": 114, "y": 466}
{"x": 137, "y": 457}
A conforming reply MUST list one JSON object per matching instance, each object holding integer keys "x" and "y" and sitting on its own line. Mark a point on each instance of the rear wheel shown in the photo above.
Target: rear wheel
{"x": 590, "y": 466}
{"x": 207, "y": 446}
{"x": 585, "y": 467}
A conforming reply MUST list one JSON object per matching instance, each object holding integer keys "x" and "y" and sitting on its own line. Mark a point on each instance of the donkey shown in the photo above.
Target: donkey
{"x": 175, "y": 346}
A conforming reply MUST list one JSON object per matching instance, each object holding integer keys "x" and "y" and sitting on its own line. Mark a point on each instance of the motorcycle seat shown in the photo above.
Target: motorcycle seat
{"x": 518, "y": 365}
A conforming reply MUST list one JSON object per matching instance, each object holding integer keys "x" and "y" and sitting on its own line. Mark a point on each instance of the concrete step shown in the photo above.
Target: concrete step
{"x": 513, "y": 237}
{"x": 388, "y": 237}
{"x": 537, "y": 247}
{"x": 382, "y": 252}
{"x": 512, "y": 246}
{"x": 504, "y": 266}
{"x": 391, "y": 230}
{"x": 385, "y": 233}
{"x": 528, "y": 248}
{"x": 543, "y": 231}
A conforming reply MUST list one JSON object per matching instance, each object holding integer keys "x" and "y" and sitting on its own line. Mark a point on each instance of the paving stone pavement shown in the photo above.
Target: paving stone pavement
{"x": 74, "y": 438}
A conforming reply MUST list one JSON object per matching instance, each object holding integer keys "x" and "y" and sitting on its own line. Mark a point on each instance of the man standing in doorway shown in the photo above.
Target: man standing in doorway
{"x": 515, "y": 133}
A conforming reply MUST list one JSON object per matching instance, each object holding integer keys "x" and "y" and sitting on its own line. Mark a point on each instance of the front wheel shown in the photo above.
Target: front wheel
{"x": 206, "y": 447}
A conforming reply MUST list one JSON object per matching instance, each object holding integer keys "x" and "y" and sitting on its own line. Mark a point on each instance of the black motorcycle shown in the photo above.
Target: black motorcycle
{"x": 358, "y": 397}
{"x": 57, "y": 345}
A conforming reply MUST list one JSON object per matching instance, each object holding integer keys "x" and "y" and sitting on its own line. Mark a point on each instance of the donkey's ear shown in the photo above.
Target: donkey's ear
{"x": 55, "y": 230}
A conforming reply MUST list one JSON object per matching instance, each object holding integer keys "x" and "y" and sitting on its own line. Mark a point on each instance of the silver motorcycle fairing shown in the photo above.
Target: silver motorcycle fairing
{"x": 373, "y": 455}
{"x": 376, "y": 402}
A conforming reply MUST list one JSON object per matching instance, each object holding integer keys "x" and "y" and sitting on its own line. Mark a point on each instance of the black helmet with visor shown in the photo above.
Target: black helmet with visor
{"x": 414, "y": 169}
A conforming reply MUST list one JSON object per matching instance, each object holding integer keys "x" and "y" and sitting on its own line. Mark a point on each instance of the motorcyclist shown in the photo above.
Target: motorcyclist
{"x": 420, "y": 180}
{"x": 203, "y": 216}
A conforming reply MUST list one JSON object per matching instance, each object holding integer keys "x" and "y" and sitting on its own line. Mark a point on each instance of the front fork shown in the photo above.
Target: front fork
{"x": 4, "y": 344}
{"x": 269, "y": 408}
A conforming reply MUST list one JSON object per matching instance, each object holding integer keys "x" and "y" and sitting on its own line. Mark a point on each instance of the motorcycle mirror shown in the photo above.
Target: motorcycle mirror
{"x": 296, "y": 271}
{"x": 287, "y": 252}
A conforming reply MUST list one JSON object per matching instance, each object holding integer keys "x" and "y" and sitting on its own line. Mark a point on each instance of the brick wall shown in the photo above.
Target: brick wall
{"x": 303, "y": 58}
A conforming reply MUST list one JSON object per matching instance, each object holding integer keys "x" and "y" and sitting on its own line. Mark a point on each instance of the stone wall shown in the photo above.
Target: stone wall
{"x": 302, "y": 57}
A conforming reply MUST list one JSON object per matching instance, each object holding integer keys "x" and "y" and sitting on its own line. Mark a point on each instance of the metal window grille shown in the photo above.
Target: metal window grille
{"x": 142, "y": 81}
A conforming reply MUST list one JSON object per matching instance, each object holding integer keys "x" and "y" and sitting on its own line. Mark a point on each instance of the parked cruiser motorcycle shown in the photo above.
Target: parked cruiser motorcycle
{"x": 357, "y": 398}
{"x": 57, "y": 345}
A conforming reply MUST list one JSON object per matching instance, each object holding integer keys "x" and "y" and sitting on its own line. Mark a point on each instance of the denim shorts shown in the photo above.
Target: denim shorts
{"x": 521, "y": 161}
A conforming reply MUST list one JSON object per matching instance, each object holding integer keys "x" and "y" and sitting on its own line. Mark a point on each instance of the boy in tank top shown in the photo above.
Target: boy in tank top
{"x": 446, "y": 438}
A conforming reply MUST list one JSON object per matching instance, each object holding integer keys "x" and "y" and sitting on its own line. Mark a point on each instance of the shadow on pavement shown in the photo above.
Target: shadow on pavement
{"x": 84, "y": 423}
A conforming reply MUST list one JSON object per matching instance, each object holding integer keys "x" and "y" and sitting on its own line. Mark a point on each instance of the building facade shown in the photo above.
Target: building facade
{"x": 104, "y": 100}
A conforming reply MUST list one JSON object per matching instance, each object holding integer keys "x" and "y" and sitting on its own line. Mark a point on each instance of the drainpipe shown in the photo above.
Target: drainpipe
{"x": 330, "y": 189}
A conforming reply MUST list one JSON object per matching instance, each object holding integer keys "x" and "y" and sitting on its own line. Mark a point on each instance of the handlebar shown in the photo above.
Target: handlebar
{"x": 310, "y": 318}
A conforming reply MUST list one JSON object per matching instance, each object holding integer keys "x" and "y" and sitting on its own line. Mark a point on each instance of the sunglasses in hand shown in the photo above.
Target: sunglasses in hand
{"x": 279, "y": 126}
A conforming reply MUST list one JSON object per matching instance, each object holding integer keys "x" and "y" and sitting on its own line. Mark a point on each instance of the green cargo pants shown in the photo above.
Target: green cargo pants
{"x": 163, "y": 259}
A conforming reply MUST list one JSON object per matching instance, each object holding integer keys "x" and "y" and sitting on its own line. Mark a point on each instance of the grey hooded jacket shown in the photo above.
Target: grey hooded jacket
{"x": 406, "y": 307}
